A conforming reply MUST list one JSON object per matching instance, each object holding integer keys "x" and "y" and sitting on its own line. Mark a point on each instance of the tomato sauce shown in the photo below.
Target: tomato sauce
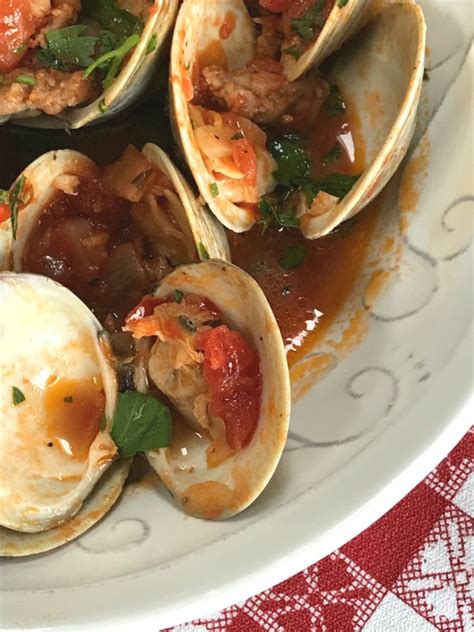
{"x": 90, "y": 243}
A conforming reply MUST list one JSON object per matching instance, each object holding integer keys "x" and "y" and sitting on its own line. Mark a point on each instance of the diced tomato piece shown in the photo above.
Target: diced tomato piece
{"x": 232, "y": 372}
{"x": 17, "y": 25}
{"x": 245, "y": 159}
{"x": 276, "y": 6}
{"x": 5, "y": 212}
{"x": 146, "y": 307}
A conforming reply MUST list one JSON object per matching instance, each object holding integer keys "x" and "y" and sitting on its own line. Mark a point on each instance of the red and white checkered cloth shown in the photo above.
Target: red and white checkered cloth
{"x": 412, "y": 571}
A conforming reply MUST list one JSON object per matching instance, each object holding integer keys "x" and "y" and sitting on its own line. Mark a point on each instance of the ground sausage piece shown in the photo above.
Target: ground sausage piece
{"x": 268, "y": 44}
{"x": 52, "y": 93}
{"x": 260, "y": 91}
{"x": 61, "y": 13}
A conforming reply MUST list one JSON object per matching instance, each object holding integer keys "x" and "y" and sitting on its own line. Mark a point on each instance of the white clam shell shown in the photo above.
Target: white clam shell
{"x": 385, "y": 61}
{"x": 228, "y": 488}
{"x": 48, "y": 333}
{"x": 381, "y": 73}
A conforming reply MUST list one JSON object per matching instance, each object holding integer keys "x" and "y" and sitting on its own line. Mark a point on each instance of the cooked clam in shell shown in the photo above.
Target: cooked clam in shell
{"x": 211, "y": 345}
{"x": 236, "y": 113}
{"x": 78, "y": 61}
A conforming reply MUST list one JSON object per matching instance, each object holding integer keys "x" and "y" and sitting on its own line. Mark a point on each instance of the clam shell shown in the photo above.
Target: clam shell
{"x": 190, "y": 37}
{"x": 381, "y": 72}
{"x": 228, "y": 488}
{"x": 342, "y": 22}
{"x": 130, "y": 83}
{"x": 54, "y": 334}
{"x": 40, "y": 179}
{"x": 95, "y": 507}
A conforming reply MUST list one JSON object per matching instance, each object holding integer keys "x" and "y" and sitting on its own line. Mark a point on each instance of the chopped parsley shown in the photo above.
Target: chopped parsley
{"x": 273, "y": 215}
{"x": 296, "y": 186}
{"x": 203, "y": 252}
{"x": 342, "y": 3}
{"x": 152, "y": 44}
{"x": 178, "y": 296}
{"x": 294, "y": 51}
{"x": 292, "y": 160}
{"x": 311, "y": 23}
{"x": 294, "y": 256}
{"x": 17, "y": 396}
{"x": 14, "y": 201}
{"x": 81, "y": 46}
{"x": 69, "y": 399}
{"x": 334, "y": 104}
{"x": 26, "y": 80}
{"x": 214, "y": 189}
{"x": 140, "y": 423}
{"x": 334, "y": 154}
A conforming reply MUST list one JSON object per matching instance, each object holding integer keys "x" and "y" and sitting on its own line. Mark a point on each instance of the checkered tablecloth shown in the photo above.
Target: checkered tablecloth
{"x": 412, "y": 571}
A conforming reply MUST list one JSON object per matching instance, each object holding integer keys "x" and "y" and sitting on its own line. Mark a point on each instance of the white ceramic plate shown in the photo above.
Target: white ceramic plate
{"x": 370, "y": 430}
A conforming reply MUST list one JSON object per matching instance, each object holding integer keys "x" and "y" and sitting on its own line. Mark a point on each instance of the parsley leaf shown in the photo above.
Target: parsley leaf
{"x": 274, "y": 215}
{"x": 113, "y": 59}
{"x": 292, "y": 160}
{"x": 204, "y": 255}
{"x": 294, "y": 256}
{"x": 17, "y": 396}
{"x": 14, "y": 201}
{"x": 70, "y": 47}
{"x": 337, "y": 184}
{"x": 140, "y": 423}
{"x": 112, "y": 17}
{"x": 333, "y": 154}
{"x": 342, "y": 3}
{"x": 334, "y": 104}
{"x": 311, "y": 22}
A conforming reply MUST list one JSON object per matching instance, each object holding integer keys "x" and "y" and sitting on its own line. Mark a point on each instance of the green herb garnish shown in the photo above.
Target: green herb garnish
{"x": 292, "y": 160}
{"x": 273, "y": 215}
{"x": 214, "y": 189}
{"x": 202, "y": 251}
{"x": 312, "y": 21}
{"x": 342, "y": 3}
{"x": 334, "y": 104}
{"x": 178, "y": 296}
{"x": 334, "y": 154}
{"x": 152, "y": 44}
{"x": 26, "y": 80}
{"x": 113, "y": 59}
{"x": 294, "y": 51}
{"x": 102, "y": 106}
{"x": 14, "y": 201}
{"x": 69, "y": 47}
{"x": 17, "y": 396}
{"x": 112, "y": 17}
{"x": 294, "y": 256}
{"x": 237, "y": 136}
{"x": 103, "y": 423}
{"x": 336, "y": 184}
{"x": 140, "y": 423}
{"x": 68, "y": 399}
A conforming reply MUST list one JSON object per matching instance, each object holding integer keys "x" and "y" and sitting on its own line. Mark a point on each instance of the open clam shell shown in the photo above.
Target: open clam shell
{"x": 206, "y": 486}
{"x": 127, "y": 87}
{"x": 343, "y": 21}
{"x": 380, "y": 72}
{"x": 197, "y": 30}
{"x": 57, "y": 386}
{"x": 43, "y": 178}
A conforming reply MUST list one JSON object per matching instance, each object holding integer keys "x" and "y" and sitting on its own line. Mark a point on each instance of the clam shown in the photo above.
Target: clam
{"x": 154, "y": 201}
{"x": 142, "y": 50}
{"x": 57, "y": 386}
{"x": 211, "y": 344}
{"x": 379, "y": 74}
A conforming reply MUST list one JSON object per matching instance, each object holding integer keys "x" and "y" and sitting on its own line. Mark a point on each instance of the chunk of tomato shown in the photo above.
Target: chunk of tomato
{"x": 232, "y": 372}
{"x": 5, "y": 212}
{"x": 17, "y": 25}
